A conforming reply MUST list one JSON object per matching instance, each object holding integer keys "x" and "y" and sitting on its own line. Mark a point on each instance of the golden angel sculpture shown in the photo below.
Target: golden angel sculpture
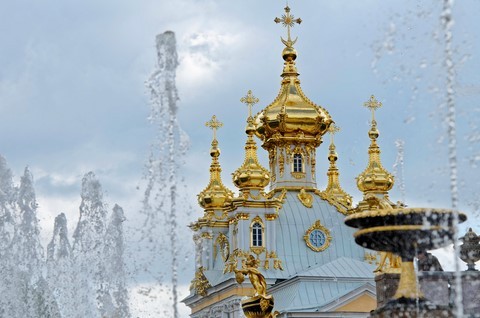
{"x": 261, "y": 304}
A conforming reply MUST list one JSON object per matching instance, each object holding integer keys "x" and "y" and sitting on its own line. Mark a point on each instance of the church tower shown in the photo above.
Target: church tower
{"x": 292, "y": 126}
{"x": 295, "y": 231}
{"x": 211, "y": 230}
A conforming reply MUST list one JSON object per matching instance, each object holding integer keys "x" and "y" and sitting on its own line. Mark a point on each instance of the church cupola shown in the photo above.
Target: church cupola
{"x": 215, "y": 196}
{"x": 292, "y": 126}
{"x": 251, "y": 176}
{"x": 375, "y": 181}
{"x": 375, "y": 178}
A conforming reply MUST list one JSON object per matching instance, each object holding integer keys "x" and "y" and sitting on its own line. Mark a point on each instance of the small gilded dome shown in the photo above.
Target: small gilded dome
{"x": 292, "y": 112}
{"x": 251, "y": 175}
{"x": 215, "y": 195}
{"x": 375, "y": 178}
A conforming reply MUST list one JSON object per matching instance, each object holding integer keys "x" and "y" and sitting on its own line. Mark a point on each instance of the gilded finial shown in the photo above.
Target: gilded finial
{"x": 214, "y": 124}
{"x": 249, "y": 100}
{"x": 288, "y": 21}
{"x": 332, "y": 156}
{"x": 333, "y": 129}
{"x": 373, "y": 105}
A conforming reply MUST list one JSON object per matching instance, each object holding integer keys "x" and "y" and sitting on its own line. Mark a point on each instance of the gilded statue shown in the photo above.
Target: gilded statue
{"x": 256, "y": 277}
{"x": 261, "y": 304}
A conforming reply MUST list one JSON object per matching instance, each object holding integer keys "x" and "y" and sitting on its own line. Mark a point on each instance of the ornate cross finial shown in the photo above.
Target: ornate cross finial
{"x": 288, "y": 21}
{"x": 333, "y": 129}
{"x": 249, "y": 100}
{"x": 214, "y": 124}
{"x": 373, "y": 104}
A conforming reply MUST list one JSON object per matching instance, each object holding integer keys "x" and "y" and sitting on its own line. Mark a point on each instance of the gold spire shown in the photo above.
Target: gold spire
{"x": 291, "y": 114}
{"x": 375, "y": 178}
{"x": 289, "y": 53}
{"x": 215, "y": 195}
{"x": 334, "y": 192}
{"x": 251, "y": 175}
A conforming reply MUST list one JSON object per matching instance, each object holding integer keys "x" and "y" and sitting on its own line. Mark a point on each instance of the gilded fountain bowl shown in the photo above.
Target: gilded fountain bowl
{"x": 404, "y": 230}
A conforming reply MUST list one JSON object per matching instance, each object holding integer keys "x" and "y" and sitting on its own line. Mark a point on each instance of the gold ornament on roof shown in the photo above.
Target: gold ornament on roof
{"x": 375, "y": 178}
{"x": 288, "y": 21}
{"x": 214, "y": 124}
{"x": 305, "y": 198}
{"x": 251, "y": 175}
{"x": 215, "y": 195}
{"x": 334, "y": 193}
{"x": 250, "y": 101}
{"x": 200, "y": 283}
{"x": 333, "y": 129}
{"x": 373, "y": 105}
{"x": 221, "y": 246}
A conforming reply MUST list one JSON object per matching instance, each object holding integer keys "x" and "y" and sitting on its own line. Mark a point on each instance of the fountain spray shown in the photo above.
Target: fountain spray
{"x": 167, "y": 152}
{"x": 447, "y": 25}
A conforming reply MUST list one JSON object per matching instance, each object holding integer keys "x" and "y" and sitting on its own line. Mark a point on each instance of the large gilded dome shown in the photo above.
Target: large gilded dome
{"x": 292, "y": 114}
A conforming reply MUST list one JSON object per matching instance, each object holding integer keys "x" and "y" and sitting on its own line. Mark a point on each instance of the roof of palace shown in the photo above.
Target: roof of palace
{"x": 294, "y": 218}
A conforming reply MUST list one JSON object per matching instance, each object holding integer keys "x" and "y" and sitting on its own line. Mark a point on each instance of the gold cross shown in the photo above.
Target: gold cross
{"x": 333, "y": 129}
{"x": 214, "y": 124}
{"x": 250, "y": 100}
{"x": 288, "y": 21}
{"x": 373, "y": 104}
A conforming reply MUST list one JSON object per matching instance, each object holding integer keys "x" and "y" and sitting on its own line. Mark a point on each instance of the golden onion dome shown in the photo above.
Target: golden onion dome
{"x": 375, "y": 178}
{"x": 215, "y": 195}
{"x": 292, "y": 112}
{"x": 251, "y": 175}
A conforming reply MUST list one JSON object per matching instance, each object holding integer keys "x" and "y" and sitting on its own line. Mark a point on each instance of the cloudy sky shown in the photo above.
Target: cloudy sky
{"x": 72, "y": 94}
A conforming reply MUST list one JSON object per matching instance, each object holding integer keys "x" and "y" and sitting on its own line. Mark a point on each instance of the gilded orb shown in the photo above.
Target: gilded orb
{"x": 289, "y": 54}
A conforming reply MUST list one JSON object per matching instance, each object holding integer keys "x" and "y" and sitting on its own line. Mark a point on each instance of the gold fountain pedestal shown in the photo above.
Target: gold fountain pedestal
{"x": 405, "y": 231}
{"x": 258, "y": 307}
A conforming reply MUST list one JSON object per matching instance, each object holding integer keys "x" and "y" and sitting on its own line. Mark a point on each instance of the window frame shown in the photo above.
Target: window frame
{"x": 297, "y": 162}
{"x": 260, "y": 228}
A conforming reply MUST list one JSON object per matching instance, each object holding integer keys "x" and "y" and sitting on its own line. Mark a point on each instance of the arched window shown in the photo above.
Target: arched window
{"x": 297, "y": 163}
{"x": 257, "y": 235}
